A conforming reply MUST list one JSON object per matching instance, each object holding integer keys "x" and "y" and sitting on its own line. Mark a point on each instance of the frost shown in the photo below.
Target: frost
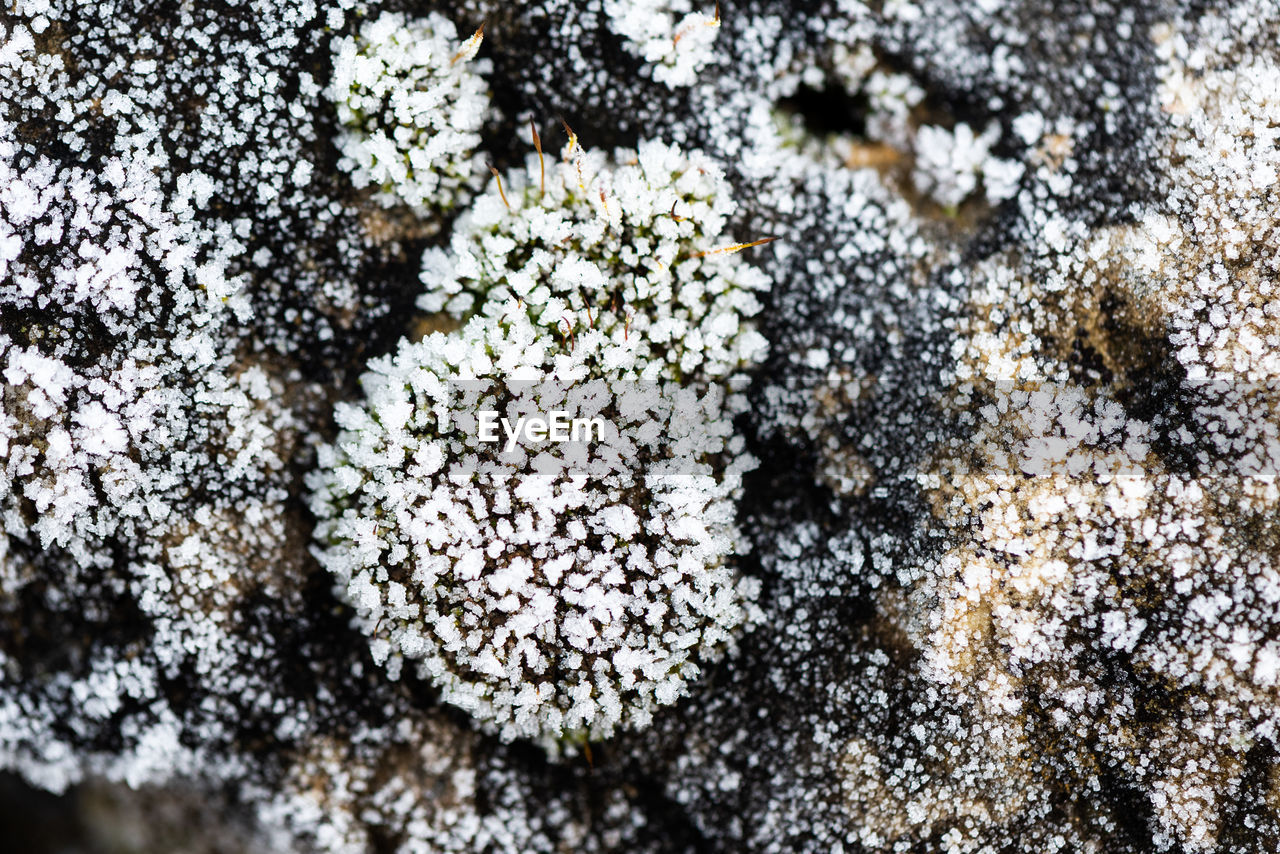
{"x": 1011, "y": 575}
{"x": 675, "y": 41}
{"x": 550, "y": 590}
{"x": 950, "y": 164}
{"x": 633, "y": 249}
{"x": 412, "y": 102}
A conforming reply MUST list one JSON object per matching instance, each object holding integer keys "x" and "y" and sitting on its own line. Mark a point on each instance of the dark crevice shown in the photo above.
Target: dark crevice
{"x": 829, "y": 110}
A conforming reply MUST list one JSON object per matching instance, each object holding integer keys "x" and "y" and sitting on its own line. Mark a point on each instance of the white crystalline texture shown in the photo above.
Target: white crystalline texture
{"x": 73, "y": 421}
{"x": 518, "y": 581}
{"x": 411, "y": 101}
{"x": 140, "y": 457}
{"x": 557, "y": 592}
{"x": 675, "y": 40}
{"x": 950, "y": 164}
{"x": 634, "y": 249}
{"x": 1084, "y": 542}
{"x": 1017, "y": 524}
{"x": 520, "y": 576}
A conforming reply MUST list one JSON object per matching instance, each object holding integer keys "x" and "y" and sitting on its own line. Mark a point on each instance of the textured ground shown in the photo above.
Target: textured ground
{"x": 1014, "y": 523}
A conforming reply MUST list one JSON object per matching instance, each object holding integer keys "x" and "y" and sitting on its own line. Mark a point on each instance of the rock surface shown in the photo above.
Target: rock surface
{"x": 1012, "y": 534}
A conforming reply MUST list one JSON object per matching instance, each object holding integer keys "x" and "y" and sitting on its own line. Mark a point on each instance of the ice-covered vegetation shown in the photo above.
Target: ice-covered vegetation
{"x": 632, "y": 249}
{"x": 1009, "y": 552}
{"x": 411, "y": 100}
{"x": 558, "y": 590}
{"x": 554, "y": 591}
{"x": 674, "y": 39}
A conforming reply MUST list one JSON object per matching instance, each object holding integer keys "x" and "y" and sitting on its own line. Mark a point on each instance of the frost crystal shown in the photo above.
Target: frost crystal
{"x": 634, "y": 248}
{"x": 674, "y": 39}
{"x": 950, "y": 163}
{"x": 557, "y": 592}
{"x": 551, "y": 594}
{"x": 1014, "y": 521}
{"x": 411, "y": 101}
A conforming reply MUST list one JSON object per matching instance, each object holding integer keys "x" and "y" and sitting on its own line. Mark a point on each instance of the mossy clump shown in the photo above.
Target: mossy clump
{"x": 557, "y": 590}
{"x": 411, "y": 102}
{"x": 635, "y": 247}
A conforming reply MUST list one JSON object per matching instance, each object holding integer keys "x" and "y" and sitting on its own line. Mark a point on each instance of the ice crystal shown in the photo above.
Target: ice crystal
{"x": 1013, "y": 521}
{"x": 633, "y": 247}
{"x": 552, "y": 591}
{"x": 557, "y": 592}
{"x": 412, "y": 100}
{"x": 675, "y": 40}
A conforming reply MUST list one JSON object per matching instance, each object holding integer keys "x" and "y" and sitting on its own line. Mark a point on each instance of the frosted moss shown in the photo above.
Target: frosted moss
{"x": 675, "y": 40}
{"x": 557, "y": 591}
{"x": 411, "y": 104}
{"x": 634, "y": 247}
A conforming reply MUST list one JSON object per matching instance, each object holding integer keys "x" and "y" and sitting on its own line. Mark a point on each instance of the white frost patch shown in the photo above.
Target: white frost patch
{"x": 676, "y": 40}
